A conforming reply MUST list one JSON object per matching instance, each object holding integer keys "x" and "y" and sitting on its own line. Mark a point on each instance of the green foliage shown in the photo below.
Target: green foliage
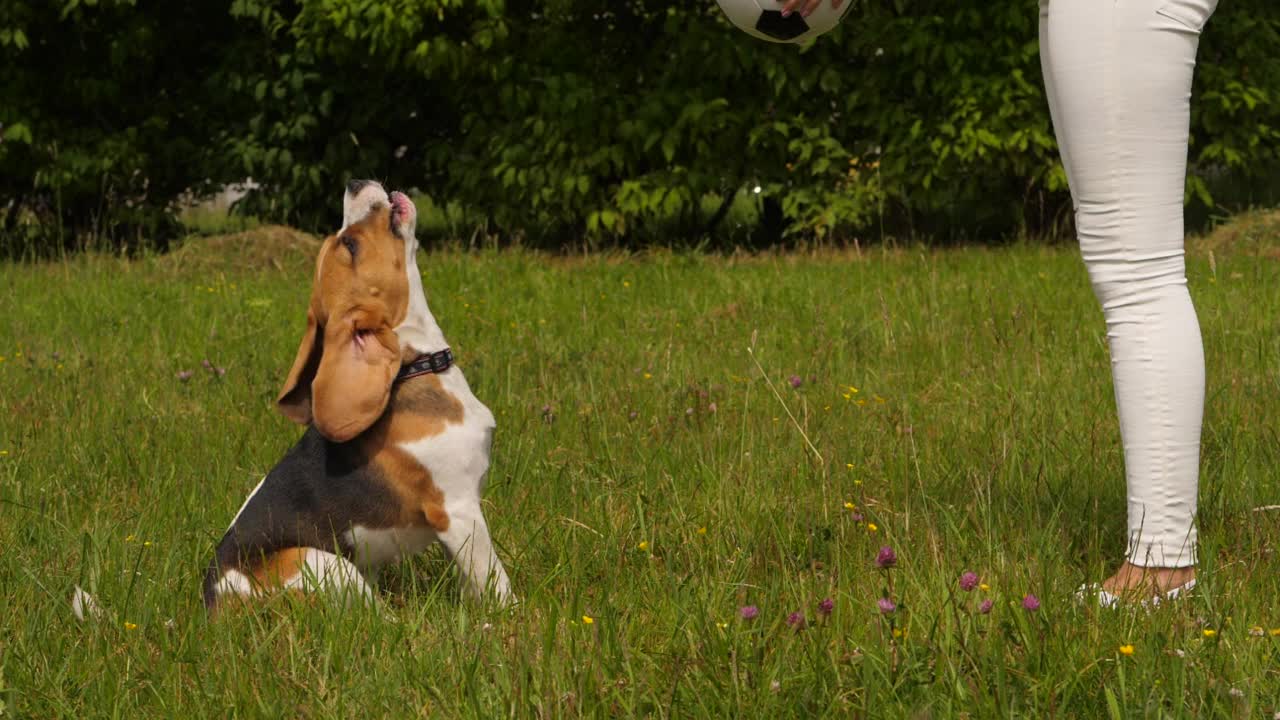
{"x": 107, "y": 111}
{"x": 633, "y": 122}
{"x": 1236, "y": 111}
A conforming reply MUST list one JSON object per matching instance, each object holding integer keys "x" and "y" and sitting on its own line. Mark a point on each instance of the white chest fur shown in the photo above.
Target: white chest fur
{"x": 457, "y": 460}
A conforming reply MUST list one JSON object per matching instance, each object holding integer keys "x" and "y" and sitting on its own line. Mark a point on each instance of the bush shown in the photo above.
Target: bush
{"x": 107, "y": 112}
{"x": 558, "y": 120}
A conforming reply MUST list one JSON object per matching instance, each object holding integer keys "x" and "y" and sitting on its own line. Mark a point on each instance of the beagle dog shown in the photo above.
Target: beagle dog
{"x": 396, "y": 448}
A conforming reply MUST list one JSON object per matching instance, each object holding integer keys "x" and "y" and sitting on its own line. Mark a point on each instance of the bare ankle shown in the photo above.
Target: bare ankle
{"x": 1130, "y": 578}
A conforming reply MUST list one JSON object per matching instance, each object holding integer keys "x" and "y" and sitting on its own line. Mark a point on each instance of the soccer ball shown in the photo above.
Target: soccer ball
{"x": 763, "y": 19}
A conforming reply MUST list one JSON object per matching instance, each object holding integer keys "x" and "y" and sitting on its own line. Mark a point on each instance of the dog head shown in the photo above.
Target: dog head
{"x": 350, "y": 353}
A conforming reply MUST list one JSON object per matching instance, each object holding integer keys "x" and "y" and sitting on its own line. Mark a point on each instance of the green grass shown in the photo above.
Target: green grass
{"x": 982, "y": 436}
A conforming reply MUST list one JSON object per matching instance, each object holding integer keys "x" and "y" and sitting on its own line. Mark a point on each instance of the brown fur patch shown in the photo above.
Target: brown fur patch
{"x": 424, "y": 398}
{"x": 279, "y": 567}
{"x": 419, "y": 408}
{"x": 343, "y": 282}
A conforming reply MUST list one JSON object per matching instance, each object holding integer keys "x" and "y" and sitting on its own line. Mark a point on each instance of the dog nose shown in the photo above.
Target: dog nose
{"x": 401, "y": 205}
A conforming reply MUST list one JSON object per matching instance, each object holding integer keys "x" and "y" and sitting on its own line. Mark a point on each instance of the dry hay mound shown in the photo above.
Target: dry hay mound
{"x": 1254, "y": 233}
{"x": 269, "y": 247}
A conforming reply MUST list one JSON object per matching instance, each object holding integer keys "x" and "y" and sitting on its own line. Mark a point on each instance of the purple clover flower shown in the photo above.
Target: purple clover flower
{"x": 886, "y": 558}
{"x": 184, "y": 375}
{"x": 748, "y": 612}
{"x": 796, "y": 620}
{"x": 886, "y": 606}
{"x": 968, "y": 581}
{"x": 1031, "y": 603}
{"x": 857, "y": 517}
{"x": 985, "y": 607}
{"x": 826, "y": 606}
{"x": 795, "y": 381}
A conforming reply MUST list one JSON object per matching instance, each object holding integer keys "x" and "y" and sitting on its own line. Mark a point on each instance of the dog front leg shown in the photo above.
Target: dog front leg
{"x": 467, "y": 540}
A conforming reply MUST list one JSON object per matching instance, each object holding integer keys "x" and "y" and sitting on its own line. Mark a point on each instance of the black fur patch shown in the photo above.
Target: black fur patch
{"x": 355, "y": 186}
{"x": 310, "y": 499}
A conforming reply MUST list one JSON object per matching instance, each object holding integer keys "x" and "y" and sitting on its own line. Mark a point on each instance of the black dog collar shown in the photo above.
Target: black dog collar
{"x": 436, "y": 362}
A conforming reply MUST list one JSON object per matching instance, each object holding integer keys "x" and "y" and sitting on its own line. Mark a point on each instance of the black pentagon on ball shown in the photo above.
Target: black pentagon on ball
{"x": 772, "y": 23}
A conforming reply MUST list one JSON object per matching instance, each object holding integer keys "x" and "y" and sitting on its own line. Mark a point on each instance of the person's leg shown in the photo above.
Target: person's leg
{"x": 1119, "y": 82}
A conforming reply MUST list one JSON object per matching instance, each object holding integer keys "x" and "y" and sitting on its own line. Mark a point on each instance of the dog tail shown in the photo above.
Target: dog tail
{"x": 85, "y": 606}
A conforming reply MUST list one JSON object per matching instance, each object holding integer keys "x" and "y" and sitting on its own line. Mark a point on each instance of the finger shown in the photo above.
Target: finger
{"x": 809, "y": 7}
{"x": 789, "y": 7}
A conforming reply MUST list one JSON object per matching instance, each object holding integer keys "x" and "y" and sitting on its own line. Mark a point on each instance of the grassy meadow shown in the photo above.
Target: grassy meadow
{"x": 680, "y": 437}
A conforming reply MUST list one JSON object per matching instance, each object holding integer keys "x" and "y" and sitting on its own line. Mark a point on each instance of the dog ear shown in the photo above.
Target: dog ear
{"x": 295, "y": 398}
{"x": 359, "y": 358}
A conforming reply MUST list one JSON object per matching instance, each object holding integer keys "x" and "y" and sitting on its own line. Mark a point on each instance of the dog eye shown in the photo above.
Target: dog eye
{"x": 350, "y": 244}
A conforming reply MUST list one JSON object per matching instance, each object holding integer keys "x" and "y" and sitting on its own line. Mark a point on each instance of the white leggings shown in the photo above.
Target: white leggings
{"x": 1118, "y": 74}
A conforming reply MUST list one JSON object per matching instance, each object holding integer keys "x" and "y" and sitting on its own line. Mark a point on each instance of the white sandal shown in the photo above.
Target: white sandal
{"x": 1108, "y": 600}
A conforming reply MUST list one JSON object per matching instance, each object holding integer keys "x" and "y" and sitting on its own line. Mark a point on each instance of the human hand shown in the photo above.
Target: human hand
{"x": 805, "y": 6}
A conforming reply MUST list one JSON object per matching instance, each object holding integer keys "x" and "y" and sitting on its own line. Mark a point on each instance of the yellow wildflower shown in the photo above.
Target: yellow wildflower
{"x": 1210, "y": 632}
{"x": 871, "y": 527}
{"x": 850, "y": 506}
{"x": 587, "y": 620}
{"x": 146, "y": 543}
{"x": 897, "y": 632}
{"x": 1275, "y": 632}
{"x": 848, "y": 466}
{"x": 626, "y": 283}
{"x": 722, "y": 625}
{"x": 985, "y": 587}
{"x": 3, "y": 453}
{"x": 644, "y": 545}
{"x": 647, "y": 376}
{"x": 129, "y": 538}
{"x": 1126, "y": 650}
{"x": 702, "y": 530}
{"x": 130, "y": 626}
